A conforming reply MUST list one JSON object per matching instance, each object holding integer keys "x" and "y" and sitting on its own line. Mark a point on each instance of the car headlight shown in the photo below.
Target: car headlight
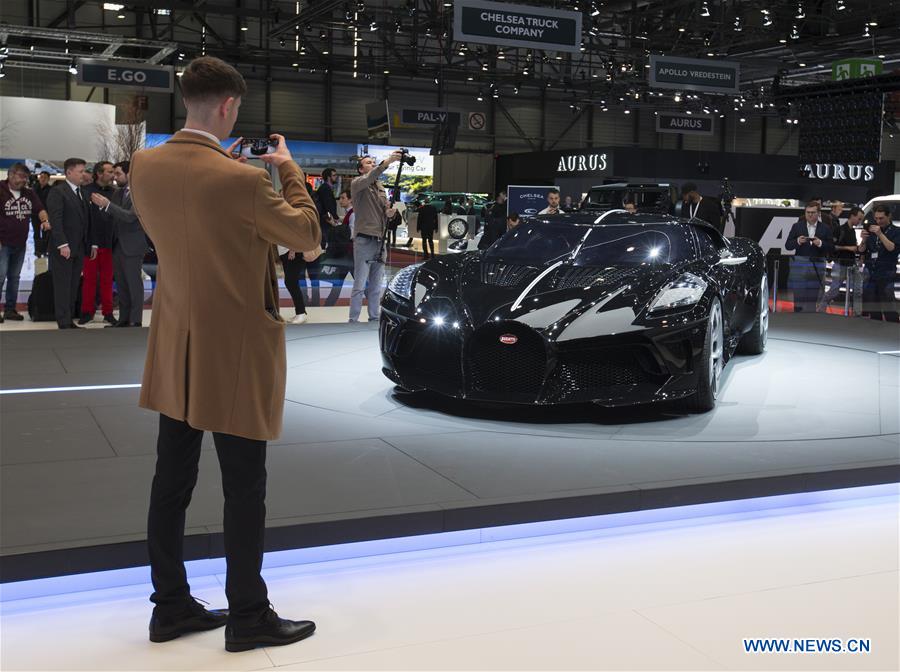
{"x": 402, "y": 283}
{"x": 685, "y": 291}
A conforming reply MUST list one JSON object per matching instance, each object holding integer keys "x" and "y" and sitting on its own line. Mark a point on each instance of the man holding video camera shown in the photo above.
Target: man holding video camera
{"x": 216, "y": 356}
{"x": 370, "y": 208}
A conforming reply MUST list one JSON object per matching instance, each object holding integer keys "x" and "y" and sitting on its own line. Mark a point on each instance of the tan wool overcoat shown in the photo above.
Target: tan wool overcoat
{"x": 216, "y": 355}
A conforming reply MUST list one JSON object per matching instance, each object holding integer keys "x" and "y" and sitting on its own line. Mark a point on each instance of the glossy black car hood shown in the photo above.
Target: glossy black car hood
{"x": 563, "y": 301}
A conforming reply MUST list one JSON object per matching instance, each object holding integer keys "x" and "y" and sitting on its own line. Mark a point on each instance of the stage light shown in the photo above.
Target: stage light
{"x": 113, "y": 7}
{"x": 705, "y": 10}
{"x": 480, "y": 96}
{"x": 244, "y": 28}
{"x": 627, "y": 111}
{"x": 795, "y": 33}
{"x": 373, "y": 27}
{"x": 742, "y": 120}
{"x": 866, "y": 32}
{"x": 681, "y": 29}
{"x": 801, "y": 13}
{"x": 677, "y": 97}
{"x": 841, "y": 6}
{"x": 72, "y": 69}
{"x": 873, "y": 23}
{"x": 738, "y": 25}
{"x": 501, "y": 56}
{"x": 120, "y": 16}
{"x": 516, "y": 90}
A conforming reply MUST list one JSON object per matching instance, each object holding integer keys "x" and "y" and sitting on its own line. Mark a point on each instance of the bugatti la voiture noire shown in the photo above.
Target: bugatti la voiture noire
{"x": 615, "y": 309}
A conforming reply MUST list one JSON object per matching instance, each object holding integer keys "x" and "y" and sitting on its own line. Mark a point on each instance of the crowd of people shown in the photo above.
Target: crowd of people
{"x": 87, "y": 228}
{"x": 865, "y": 264}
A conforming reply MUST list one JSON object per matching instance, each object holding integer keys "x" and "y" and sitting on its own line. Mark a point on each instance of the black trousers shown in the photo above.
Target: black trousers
{"x": 130, "y": 285}
{"x": 243, "y": 464}
{"x": 427, "y": 243}
{"x": 879, "y": 301}
{"x": 66, "y": 274}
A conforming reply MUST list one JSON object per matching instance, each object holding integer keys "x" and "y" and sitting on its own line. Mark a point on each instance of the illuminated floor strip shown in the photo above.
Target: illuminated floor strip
{"x": 608, "y": 524}
{"x": 78, "y": 388}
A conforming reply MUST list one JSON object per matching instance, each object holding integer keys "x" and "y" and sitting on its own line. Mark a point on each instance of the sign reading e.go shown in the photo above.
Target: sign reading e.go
{"x": 118, "y": 74}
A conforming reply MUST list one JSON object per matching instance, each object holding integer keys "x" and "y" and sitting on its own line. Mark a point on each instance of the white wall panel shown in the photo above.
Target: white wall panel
{"x": 34, "y": 128}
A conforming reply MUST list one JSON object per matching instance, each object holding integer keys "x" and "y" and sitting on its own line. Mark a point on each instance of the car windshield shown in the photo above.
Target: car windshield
{"x": 631, "y": 245}
{"x": 538, "y": 244}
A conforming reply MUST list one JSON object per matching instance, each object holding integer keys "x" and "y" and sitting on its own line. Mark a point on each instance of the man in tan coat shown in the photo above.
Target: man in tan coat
{"x": 216, "y": 355}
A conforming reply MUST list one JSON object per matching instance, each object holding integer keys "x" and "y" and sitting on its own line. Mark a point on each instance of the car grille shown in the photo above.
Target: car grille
{"x": 496, "y": 367}
{"x": 504, "y": 275}
{"x": 588, "y": 374}
{"x": 432, "y": 359}
{"x": 575, "y": 276}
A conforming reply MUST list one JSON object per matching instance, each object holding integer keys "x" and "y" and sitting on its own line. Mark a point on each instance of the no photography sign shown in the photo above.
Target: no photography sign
{"x": 516, "y": 25}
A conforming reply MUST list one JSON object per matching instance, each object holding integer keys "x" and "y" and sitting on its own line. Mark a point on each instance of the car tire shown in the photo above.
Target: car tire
{"x": 458, "y": 228}
{"x": 754, "y": 341}
{"x": 712, "y": 362}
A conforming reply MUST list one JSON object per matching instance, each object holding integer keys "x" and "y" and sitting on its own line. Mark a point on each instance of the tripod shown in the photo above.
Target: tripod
{"x": 395, "y": 196}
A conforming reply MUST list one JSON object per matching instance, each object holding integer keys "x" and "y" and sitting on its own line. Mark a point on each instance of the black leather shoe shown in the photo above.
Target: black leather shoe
{"x": 165, "y": 627}
{"x": 84, "y": 319}
{"x": 13, "y": 315}
{"x": 109, "y": 319}
{"x": 270, "y": 631}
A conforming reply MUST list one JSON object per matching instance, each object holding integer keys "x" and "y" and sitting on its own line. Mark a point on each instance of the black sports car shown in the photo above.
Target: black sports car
{"x": 618, "y": 309}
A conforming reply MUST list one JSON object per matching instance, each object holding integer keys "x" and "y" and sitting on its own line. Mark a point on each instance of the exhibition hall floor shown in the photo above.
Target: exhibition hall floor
{"x": 818, "y": 410}
{"x": 650, "y": 597}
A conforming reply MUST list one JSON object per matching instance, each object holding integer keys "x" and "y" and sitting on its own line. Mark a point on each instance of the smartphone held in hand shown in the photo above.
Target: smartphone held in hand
{"x": 253, "y": 148}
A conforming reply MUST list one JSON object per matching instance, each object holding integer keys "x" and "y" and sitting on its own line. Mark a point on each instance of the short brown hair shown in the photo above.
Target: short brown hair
{"x": 73, "y": 162}
{"x": 208, "y": 77}
{"x": 19, "y": 167}
{"x": 346, "y": 192}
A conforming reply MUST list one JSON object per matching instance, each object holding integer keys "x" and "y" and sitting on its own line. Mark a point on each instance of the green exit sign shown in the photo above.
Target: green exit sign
{"x": 851, "y": 68}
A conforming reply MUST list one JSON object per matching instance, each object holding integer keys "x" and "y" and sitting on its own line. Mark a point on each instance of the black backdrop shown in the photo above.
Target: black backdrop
{"x": 751, "y": 175}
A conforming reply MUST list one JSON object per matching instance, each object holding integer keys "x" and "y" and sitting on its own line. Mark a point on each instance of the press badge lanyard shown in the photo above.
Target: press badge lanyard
{"x": 693, "y": 209}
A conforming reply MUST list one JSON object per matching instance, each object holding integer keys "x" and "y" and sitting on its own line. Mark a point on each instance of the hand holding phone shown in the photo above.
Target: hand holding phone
{"x": 254, "y": 148}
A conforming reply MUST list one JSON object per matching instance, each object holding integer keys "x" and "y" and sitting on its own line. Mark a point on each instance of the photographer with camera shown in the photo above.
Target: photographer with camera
{"x": 216, "y": 357}
{"x": 371, "y": 210}
{"x": 881, "y": 245}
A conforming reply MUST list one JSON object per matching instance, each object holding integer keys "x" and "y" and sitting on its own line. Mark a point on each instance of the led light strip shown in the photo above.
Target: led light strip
{"x": 78, "y": 388}
{"x": 607, "y": 214}
{"x": 612, "y": 524}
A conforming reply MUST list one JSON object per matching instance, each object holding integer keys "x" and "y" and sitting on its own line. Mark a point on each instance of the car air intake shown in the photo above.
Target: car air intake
{"x": 581, "y": 276}
{"x": 507, "y": 358}
{"x": 505, "y": 275}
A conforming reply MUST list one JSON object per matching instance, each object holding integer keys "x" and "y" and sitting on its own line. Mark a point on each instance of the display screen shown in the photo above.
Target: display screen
{"x": 539, "y": 244}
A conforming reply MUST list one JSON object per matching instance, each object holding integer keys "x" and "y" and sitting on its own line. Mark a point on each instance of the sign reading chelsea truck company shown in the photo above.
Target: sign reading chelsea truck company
{"x": 516, "y": 25}
{"x": 119, "y": 74}
{"x": 694, "y": 74}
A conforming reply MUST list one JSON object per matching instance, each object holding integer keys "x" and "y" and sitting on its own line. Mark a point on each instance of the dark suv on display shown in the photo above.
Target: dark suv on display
{"x": 649, "y": 198}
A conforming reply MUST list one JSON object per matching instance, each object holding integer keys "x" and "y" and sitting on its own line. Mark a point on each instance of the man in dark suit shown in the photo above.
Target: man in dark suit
{"x": 811, "y": 239}
{"x": 700, "y": 207}
{"x": 129, "y": 245}
{"x": 427, "y": 223}
{"x": 69, "y": 236}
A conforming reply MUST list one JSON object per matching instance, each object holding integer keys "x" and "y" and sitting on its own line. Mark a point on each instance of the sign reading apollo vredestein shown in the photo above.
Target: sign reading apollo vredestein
{"x": 516, "y": 25}
{"x": 584, "y": 163}
{"x": 695, "y": 124}
{"x": 122, "y": 75}
{"x": 694, "y": 74}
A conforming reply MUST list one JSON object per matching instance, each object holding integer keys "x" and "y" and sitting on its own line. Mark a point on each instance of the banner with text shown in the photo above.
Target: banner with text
{"x": 501, "y": 23}
{"x": 122, "y": 75}
{"x": 526, "y": 201}
{"x": 694, "y": 124}
{"x": 694, "y": 74}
